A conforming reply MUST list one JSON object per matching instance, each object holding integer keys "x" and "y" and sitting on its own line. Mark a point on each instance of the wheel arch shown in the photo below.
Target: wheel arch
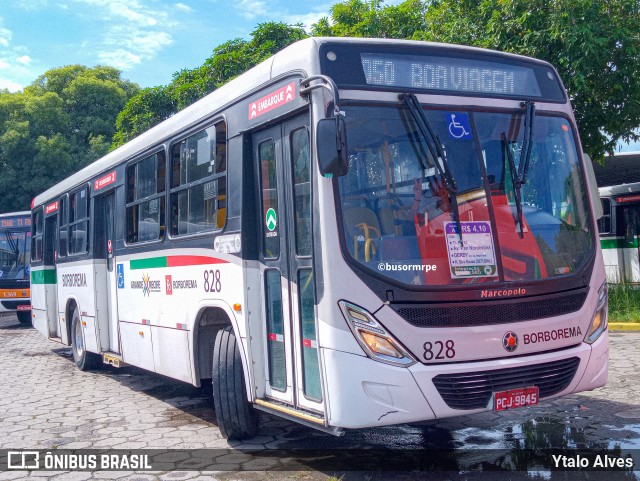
{"x": 208, "y": 321}
{"x": 71, "y": 304}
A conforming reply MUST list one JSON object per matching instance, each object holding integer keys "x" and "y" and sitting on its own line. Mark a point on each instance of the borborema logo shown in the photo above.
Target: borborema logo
{"x": 510, "y": 341}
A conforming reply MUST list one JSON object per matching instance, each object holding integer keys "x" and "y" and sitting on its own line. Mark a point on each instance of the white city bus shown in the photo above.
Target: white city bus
{"x": 353, "y": 233}
{"x": 15, "y": 245}
{"x": 620, "y": 232}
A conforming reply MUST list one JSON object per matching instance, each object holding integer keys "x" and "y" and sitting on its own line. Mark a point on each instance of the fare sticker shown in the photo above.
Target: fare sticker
{"x": 475, "y": 255}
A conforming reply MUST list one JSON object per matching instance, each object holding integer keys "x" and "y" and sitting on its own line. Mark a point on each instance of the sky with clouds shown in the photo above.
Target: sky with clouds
{"x": 148, "y": 40}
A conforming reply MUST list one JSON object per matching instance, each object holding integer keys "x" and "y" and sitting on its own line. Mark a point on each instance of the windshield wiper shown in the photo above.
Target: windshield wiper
{"x": 519, "y": 177}
{"x": 525, "y": 153}
{"x": 436, "y": 150}
{"x": 515, "y": 182}
{"x": 8, "y": 235}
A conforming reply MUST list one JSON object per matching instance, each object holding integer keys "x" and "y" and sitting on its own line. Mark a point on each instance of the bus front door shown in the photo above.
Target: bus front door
{"x": 106, "y": 277}
{"x": 50, "y": 258}
{"x": 282, "y": 159}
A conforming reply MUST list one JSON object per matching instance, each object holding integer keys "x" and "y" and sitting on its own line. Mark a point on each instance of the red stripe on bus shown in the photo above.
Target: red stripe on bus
{"x": 180, "y": 261}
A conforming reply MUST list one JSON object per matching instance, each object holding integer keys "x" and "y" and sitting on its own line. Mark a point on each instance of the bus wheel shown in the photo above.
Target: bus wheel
{"x": 236, "y": 418}
{"x": 24, "y": 317}
{"x": 84, "y": 360}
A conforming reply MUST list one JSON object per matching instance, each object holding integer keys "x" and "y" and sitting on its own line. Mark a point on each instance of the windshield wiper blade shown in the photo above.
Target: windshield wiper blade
{"x": 525, "y": 153}
{"x": 519, "y": 176}
{"x": 12, "y": 243}
{"x": 436, "y": 150}
{"x": 515, "y": 181}
{"x": 431, "y": 139}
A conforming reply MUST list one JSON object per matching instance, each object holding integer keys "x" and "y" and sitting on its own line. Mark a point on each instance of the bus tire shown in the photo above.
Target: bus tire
{"x": 84, "y": 360}
{"x": 24, "y": 317}
{"x": 236, "y": 418}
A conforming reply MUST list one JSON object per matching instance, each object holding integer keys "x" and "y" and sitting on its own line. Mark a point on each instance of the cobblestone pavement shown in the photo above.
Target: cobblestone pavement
{"x": 46, "y": 403}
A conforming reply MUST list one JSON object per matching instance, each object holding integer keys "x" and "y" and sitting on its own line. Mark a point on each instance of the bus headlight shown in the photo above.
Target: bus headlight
{"x": 374, "y": 339}
{"x": 599, "y": 321}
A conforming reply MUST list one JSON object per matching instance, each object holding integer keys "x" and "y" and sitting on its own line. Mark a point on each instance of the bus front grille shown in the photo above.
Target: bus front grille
{"x": 485, "y": 312}
{"x": 473, "y": 390}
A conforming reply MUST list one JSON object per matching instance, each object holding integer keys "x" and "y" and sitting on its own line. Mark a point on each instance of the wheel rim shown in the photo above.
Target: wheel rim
{"x": 79, "y": 340}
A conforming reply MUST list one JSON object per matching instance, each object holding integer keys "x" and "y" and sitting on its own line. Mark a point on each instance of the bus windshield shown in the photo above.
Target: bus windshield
{"x": 15, "y": 246}
{"x": 401, "y": 221}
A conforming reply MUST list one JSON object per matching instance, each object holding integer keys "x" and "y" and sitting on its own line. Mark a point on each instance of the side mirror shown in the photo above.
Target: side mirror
{"x": 331, "y": 137}
{"x": 593, "y": 186}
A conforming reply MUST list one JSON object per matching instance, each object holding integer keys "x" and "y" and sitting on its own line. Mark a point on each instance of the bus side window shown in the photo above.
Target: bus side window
{"x": 604, "y": 224}
{"x": 631, "y": 223}
{"x": 79, "y": 221}
{"x": 198, "y": 196}
{"x": 145, "y": 184}
{"x": 36, "y": 238}
{"x": 299, "y": 143}
{"x": 64, "y": 228}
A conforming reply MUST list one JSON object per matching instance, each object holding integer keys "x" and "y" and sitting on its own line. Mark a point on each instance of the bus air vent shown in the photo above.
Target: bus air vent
{"x": 473, "y": 390}
{"x": 483, "y": 313}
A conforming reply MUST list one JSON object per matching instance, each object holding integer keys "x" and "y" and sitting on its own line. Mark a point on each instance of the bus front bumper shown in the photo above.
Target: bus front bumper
{"x": 366, "y": 393}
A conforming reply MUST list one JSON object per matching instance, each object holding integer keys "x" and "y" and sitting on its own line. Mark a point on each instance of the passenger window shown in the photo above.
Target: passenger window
{"x": 631, "y": 216}
{"x": 301, "y": 190}
{"x": 604, "y": 224}
{"x": 79, "y": 222}
{"x": 64, "y": 228}
{"x": 198, "y": 182}
{"x": 269, "y": 181}
{"x": 36, "y": 237}
{"x": 145, "y": 199}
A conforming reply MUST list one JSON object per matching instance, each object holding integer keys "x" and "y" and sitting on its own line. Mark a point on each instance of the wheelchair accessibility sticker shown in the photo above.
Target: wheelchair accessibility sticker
{"x": 120, "y": 276}
{"x": 459, "y": 127}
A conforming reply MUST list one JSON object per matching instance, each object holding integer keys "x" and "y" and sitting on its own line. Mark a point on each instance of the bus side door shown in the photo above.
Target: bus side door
{"x": 282, "y": 162}
{"x": 105, "y": 271}
{"x": 50, "y": 258}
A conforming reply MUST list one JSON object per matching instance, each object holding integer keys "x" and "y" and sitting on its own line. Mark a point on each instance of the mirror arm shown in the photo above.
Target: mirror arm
{"x": 327, "y": 83}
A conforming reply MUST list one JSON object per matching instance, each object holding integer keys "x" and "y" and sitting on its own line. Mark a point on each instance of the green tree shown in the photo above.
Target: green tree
{"x": 359, "y": 18}
{"x": 230, "y": 59}
{"x": 60, "y": 123}
{"x": 147, "y": 108}
{"x": 594, "y": 45}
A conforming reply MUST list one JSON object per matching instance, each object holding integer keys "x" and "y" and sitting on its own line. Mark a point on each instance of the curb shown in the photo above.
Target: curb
{"x": 624, "y": 326}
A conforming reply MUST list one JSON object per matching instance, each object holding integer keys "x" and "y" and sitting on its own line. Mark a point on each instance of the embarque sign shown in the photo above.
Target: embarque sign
{"x": 273, "y": 100}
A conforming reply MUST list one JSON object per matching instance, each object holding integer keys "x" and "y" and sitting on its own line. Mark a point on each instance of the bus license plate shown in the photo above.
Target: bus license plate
{"x": 515, "y": 398}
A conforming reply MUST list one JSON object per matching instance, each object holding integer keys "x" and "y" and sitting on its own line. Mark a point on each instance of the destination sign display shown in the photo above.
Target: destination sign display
{"x": 15, "y": 222}
{"x": 629, "y": 198}
{"x": 457, "y": 75}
